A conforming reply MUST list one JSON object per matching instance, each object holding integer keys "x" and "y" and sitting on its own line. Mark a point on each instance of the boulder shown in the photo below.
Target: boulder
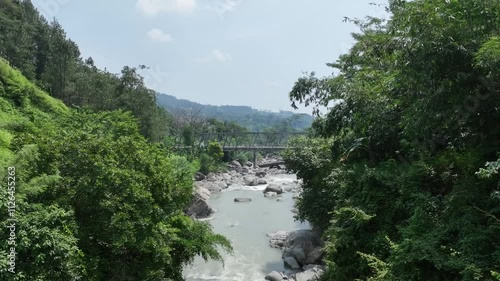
{"x": 273, "y": 188}
{"x": 291, "y": 262}
{"x": 236, "y": 164}
{"x": 199, "y": 176}
{"x": 261, "y": 174}
{"x": 298, "y": 253}
{"x": 304, "y": 245}
{"x": 250, "y": 181}
{"x": 311, "y": 274}
{"x": 277, "y": 239}
{"x": 274, "y": 276}
{"x": 253, "y": 181}
{"x": 261, "y": 181}
{"x": 270, "y": 194}
{"x": 314, "y": 257}
{"x": 203, "y": 193}
{"x": 199, "y": 207}
{"x": 249, "y": 164}
{"x": 211, "y": 186}
{"x": 242, "y": 200}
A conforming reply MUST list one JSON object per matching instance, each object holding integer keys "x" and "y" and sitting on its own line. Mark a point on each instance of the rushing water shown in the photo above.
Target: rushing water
{"x": 246, "y": 225}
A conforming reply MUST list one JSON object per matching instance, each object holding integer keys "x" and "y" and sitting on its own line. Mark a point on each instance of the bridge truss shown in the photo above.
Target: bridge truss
{"x": 247, "y": 141}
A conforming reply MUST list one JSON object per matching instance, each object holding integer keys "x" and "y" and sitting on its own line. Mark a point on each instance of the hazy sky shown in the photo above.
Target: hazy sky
{"x": 235, "y": 52}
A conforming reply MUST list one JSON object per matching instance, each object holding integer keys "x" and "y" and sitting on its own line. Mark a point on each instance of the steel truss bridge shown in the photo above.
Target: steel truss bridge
{"x": 248, "y": 141}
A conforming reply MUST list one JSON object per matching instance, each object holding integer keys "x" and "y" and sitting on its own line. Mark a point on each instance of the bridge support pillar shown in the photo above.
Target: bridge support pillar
{"x": 255, "y": 159}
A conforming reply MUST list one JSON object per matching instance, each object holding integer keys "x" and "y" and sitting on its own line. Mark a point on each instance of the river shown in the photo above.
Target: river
{"x": 246, "y": 225}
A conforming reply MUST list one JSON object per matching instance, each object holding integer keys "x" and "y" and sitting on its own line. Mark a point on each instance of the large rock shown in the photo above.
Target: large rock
{"x": 277, "y": 239}
{"x": 311, "y": 274}
{"x": 270, "y": 194}
{"x": 211, "y": 186}
{"x": 261, "y": 181}
{"x": 298, "y": 253}
{"x": 274, "y": 276}
{"x": 199, "y": 207}
{"x": 249, "y": 164}
{"x": 291, "y": 262}
{"x": 273, "y": 188}
{"x": 236, "y": 164}
{"x": 242, "y": 200}
{"x": 250, "y": 181}
{"x": 253, "y": 181}
{"x": 314, "y": 257}
{"x": 304, "y": 245}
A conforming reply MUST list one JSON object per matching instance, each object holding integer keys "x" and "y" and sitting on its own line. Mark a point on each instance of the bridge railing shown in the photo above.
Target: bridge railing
{"x": 246, "y": 140}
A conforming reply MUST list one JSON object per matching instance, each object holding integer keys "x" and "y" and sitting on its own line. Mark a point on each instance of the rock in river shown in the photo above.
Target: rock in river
{"x": 261, "y": 174}
{"x": 311, "y": 274}
{"x": 199, "y": 207}
{"x": 291, "y": 262}
{"x": 304, "y": 245}
{"x": 274, "y": 276}
{"x": 270, "y": 194}
{"x": 273, "y": 188}
{"x": 241, "y": 200}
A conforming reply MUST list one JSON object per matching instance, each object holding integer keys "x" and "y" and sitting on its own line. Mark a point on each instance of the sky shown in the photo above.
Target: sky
{"x": 220, "y": 52}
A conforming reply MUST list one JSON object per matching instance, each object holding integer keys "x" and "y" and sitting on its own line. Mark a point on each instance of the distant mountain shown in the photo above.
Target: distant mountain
{"x": 252, "y": 119}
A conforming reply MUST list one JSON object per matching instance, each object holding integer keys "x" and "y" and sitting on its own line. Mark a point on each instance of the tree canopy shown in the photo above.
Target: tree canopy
{"x": 394, "y": 173}
{"x": 94, "y": 199}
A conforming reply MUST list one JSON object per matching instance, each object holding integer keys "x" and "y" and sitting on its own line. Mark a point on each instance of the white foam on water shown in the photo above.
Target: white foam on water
{"x": 275, "y": 179}
{"x": 246, "y": 225}
{"x": 237, "y": 267}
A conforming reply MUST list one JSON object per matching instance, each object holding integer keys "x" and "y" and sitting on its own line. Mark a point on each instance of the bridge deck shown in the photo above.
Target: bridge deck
{"x": 244, "y": 141}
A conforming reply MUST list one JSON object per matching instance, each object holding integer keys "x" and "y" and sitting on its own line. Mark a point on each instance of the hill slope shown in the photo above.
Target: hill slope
{"x": 65, "y": 171}
{"x": 252, "y": 119}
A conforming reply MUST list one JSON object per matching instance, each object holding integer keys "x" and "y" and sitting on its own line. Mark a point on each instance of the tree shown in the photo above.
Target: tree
{"x": 393, "y": 163}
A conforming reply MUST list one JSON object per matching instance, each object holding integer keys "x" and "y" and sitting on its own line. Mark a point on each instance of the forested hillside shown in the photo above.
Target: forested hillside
{"x": 89, "y": 191}
{"x": 93, "y": 199}
{"x": 44, "y": 54}
{"x": 402, "y": 175}
{"x": 252, "y": 119}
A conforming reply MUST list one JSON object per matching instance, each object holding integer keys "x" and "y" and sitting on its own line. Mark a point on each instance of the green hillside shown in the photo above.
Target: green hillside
{"x": 93, "y": 199}
{"x": 250, "y": 118}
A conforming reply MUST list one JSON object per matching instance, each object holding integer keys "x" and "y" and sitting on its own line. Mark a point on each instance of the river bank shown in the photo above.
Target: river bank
{"x": 268, "y": 243}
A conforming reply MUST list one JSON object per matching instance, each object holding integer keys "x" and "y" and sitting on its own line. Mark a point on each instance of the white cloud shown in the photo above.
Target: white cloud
{"x": 216, "y": 55}
{"x": 157, "y": 35}
{"x": 155, "y": 7}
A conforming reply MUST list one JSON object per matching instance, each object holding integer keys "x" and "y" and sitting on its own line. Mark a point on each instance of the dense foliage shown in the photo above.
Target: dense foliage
{"x": 44, "y": 54}
{"x": 394, "y": 173}
{"x": 94, "y": 199}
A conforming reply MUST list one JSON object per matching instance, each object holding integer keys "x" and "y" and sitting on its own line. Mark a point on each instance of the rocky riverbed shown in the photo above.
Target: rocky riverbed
{"x": 301, "y": 249}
